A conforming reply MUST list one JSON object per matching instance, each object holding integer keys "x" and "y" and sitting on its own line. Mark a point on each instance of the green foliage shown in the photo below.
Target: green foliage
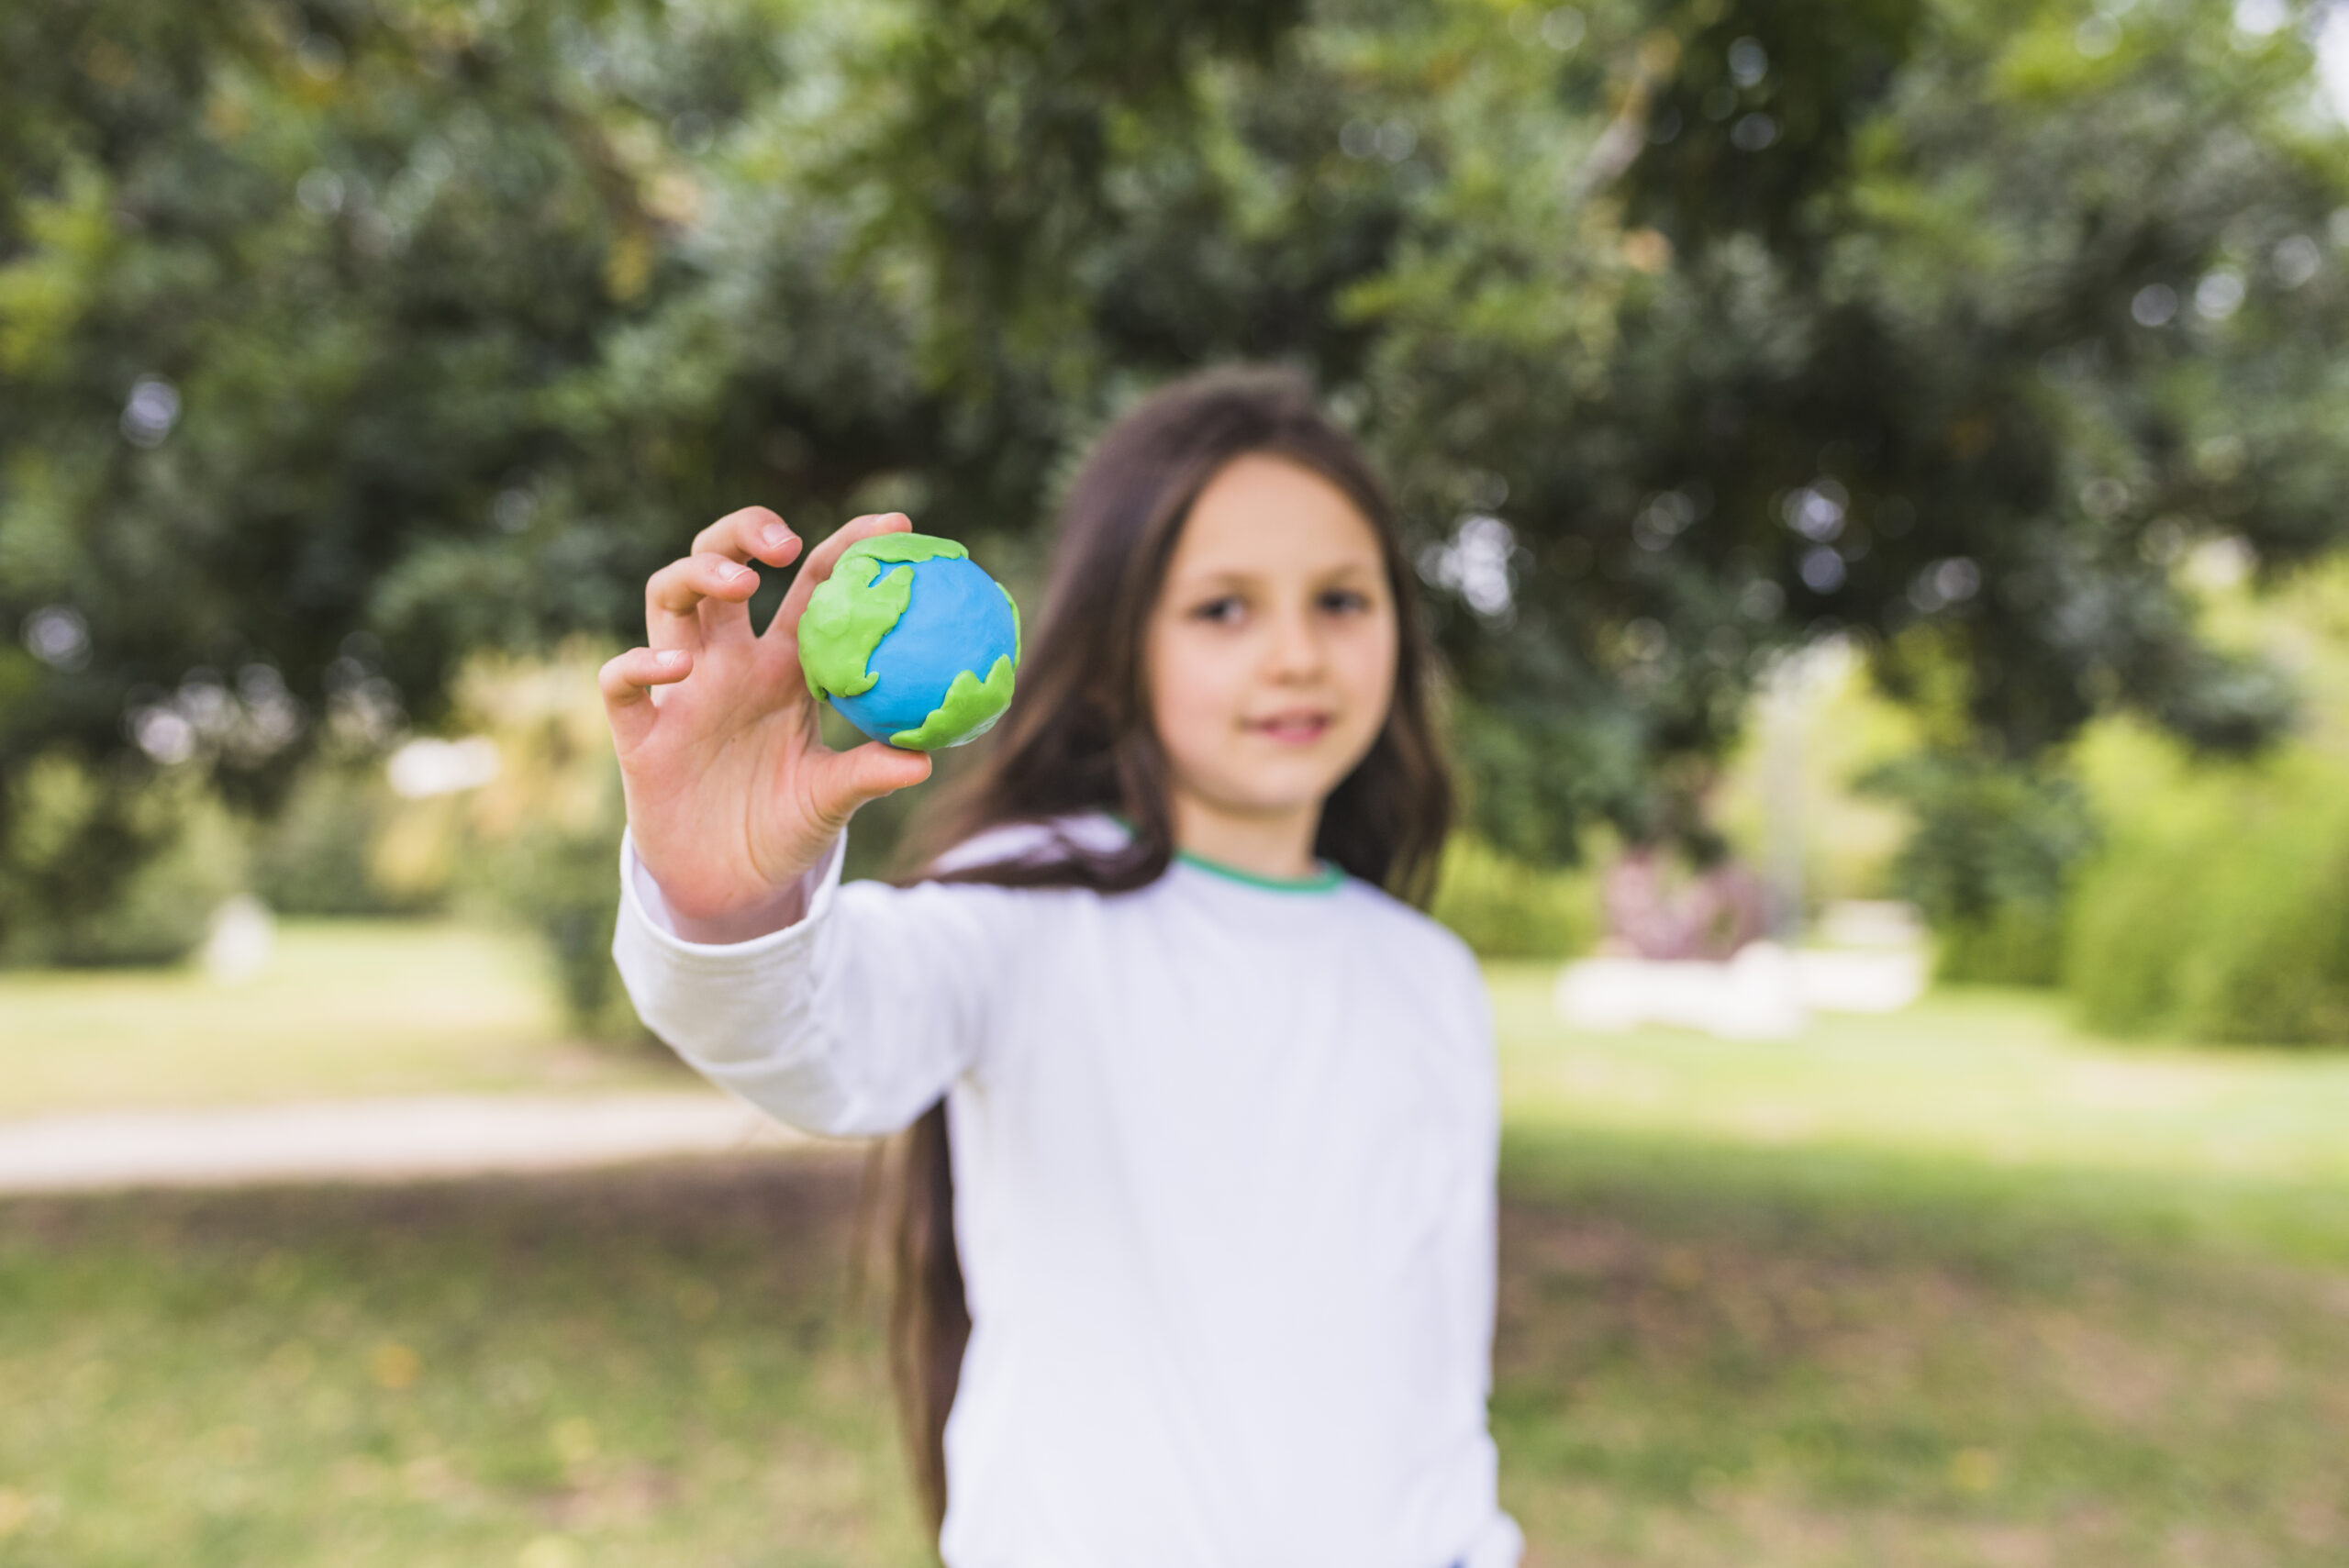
{"x": 1507, "y": 908}
{"x": 111, "y": 865}
{"x": 2274, "y": 962}
{"x": 2225, "y": 916}
{"x": 2019, "y": 944}
{"x": 538, "y": 845}
{"x": 562, "y": 883}
{"x": 2135, "y": 919}
{"x": 337, "y": 342}
{"x": 1990, "y": 860}
{"x": 318, "y": 852}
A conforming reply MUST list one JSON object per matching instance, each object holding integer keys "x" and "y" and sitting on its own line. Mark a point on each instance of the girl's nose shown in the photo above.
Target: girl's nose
{"x": 1296, "y": 652}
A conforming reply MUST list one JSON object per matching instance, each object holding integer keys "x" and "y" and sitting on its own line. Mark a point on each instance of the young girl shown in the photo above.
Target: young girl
{"x": 1223, "y": 1110}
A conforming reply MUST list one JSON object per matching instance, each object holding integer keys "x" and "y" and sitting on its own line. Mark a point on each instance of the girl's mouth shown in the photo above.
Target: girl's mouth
{"x": 1293, "y": 728}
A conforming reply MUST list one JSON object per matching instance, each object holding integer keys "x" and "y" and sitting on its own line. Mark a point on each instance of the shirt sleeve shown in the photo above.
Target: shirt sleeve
{"x": 850, "y": 1021}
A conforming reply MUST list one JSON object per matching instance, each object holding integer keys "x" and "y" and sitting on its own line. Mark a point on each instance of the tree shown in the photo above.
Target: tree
{"x": 337, "y": 341}
{"x": 282, "y": 290}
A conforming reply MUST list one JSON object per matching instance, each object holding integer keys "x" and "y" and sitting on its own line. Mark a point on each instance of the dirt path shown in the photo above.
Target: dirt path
{"x": 372, "y": 1141}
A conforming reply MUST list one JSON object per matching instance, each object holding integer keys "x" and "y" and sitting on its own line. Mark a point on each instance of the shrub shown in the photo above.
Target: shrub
{"x": 2015, "y": 944}
{"x": 540, "y": 843}
{"x": 1505, "y": 909}
{"x": 2225, "y": 921}
{"x": 2273, "y": 964}
{"x": 321, "y": 853}
{"x": 563, "y": 884}
{"x": 1990, "y": 860}
{"x": 2134, "y": 922}
{"x": 121, "y": 865}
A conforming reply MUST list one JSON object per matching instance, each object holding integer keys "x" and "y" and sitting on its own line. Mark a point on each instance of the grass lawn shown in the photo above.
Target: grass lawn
{"x": 1721, "y": 1355}
{"x": 1961, "y": 1286}
{"x": 1953, "y": 1288}
{"x": 1985, "y": 1098}
{"x": 1991, "y": 1077}
{"x": 344, "y": 1007}
{"x": 645, "y": 1368}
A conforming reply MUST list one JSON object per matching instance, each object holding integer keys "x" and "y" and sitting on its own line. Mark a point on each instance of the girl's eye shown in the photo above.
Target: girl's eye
{"x": 1223, "y": 611}
{"x": 1345, "y": 601}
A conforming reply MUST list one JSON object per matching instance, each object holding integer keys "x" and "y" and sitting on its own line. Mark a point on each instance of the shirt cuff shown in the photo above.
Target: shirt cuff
{"x": 641, "y": 904}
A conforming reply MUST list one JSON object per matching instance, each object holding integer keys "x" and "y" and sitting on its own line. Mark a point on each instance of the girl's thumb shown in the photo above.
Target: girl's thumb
{"x": 870, "y": 771}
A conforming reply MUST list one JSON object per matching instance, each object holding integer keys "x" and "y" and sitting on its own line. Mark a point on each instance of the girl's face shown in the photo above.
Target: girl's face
{"x": 1270, "y": 653}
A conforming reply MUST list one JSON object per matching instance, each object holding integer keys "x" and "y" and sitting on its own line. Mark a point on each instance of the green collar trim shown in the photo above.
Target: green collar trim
{"x": 1326, "y": 880}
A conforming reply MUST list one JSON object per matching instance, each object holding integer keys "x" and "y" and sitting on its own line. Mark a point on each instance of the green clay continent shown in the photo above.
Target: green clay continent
{"x": 847, "y": 617}
{"x": 970, "y": 710}
{"x": 849, "y": 613}
{"x": 904, "y": 547}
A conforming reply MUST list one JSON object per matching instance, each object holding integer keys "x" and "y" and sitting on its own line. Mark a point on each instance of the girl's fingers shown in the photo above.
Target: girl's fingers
{"x": 821, "y": 560}
{"x": 754, "y": 533}
{"x": 697, "y": 599}
{"x": 846, "y": 780}
{"x": 627, "y": 682}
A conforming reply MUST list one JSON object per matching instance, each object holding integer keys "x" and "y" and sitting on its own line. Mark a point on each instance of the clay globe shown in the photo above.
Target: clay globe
{"x": 911, "y": 642}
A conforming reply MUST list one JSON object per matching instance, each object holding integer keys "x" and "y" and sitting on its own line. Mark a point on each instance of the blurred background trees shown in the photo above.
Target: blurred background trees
{"x": 341, "y": 343}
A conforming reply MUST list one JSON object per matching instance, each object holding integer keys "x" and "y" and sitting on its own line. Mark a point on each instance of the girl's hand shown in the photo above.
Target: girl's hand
{"x": 732, "y": 795}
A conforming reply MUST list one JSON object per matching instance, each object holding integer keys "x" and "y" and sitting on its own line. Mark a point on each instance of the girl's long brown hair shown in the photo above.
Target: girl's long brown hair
{"x": 1080, "y": 738}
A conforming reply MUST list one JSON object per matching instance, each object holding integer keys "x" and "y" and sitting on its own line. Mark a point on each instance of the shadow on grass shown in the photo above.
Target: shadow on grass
{"x": 1714, "y": 1353}
{"x": 2013, "y": 1219}
{"x": 1704, "y": 1356}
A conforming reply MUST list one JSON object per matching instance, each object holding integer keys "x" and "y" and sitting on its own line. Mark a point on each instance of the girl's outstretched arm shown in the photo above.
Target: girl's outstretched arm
{"x": 853, "y": 1019}
{"x": 839, "y": 1014}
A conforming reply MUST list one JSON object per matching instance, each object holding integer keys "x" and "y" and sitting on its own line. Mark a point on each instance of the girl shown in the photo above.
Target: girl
{"x": 1215, "y": 1287}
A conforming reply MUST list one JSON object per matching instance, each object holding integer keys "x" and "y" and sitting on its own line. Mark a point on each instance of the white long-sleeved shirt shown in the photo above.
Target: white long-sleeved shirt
{"x": 1224, "y": 1171}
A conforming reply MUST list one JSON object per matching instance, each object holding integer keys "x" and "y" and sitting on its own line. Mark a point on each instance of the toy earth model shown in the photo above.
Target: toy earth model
{"x": 911, "y": 642}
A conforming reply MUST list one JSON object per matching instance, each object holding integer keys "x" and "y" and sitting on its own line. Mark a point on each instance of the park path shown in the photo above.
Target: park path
{"x": 372, "y": 1141}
